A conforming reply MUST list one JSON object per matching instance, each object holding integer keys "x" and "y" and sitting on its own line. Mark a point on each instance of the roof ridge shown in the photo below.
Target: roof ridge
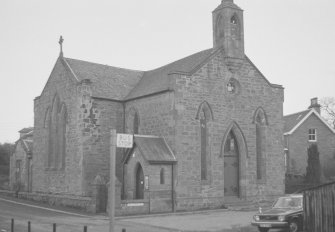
{"x": 299, "y": 112}
{"x": 109, "y": 66}
{"x": 176, "y": 61}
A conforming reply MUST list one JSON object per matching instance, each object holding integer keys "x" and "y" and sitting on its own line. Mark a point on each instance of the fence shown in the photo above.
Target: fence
{"x": 54, "y": 227}
{"x": 319, "y": 208}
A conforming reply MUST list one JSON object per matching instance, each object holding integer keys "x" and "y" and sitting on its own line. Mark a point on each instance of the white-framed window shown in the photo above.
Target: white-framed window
{"x": 312, "y": 135}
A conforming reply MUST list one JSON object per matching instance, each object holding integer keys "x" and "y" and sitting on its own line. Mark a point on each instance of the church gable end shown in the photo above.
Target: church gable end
{"x": 55, "y": 126}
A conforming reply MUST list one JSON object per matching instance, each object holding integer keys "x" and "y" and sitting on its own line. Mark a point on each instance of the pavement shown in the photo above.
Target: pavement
{"x": 43, "y": 217}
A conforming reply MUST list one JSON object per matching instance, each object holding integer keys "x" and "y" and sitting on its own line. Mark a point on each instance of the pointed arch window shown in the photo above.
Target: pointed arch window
{"x": 235, "y": 27}
{"x": 260, "y": 121}
{"x": 136, "y": 123}
{"x": 133, "y": 121}
{"x": 61, "y": 137}
{"x": 56, "y": 126}
{"x": 219, "y": 27}
{"x": 203, "y": 135}
{"x": 204, "y": 115}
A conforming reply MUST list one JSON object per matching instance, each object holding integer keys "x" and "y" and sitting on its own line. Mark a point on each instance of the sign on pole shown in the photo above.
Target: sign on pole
{"x": 124, "y": 140}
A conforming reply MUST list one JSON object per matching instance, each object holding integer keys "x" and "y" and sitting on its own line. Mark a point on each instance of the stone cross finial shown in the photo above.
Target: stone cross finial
{"x": 61, "y": 45}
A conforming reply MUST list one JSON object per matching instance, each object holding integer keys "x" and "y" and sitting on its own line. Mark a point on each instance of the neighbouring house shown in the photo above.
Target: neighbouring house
{"x": 301, "y": 130}
{"x": 20, "y": 176}
{"x": 208, "y": 129}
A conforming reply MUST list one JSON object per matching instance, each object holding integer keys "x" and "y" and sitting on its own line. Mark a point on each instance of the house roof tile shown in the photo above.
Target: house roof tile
{"x": 290, "y": 121}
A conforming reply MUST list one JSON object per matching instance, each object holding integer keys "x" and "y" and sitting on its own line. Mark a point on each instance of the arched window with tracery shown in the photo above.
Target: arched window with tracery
{"x": 261, "y": 123}
{"x": 53, "y": 133}
{"x": 56, "y": 126}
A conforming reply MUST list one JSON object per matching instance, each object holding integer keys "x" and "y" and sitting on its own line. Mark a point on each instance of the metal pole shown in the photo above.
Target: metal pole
{"x": 29, "y": 227}
{"x": 12, "y": 225}
{"x": 54, "y": 227}
{"x": 85, "y": 228}
{"x": 112, "y": 180}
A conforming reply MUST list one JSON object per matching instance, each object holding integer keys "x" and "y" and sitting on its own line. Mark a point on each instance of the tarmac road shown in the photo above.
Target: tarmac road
{"x": 42, "y": 219}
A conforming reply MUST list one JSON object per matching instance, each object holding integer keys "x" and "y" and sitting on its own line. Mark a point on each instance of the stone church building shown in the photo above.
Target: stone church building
{"x": 208, "y": 129}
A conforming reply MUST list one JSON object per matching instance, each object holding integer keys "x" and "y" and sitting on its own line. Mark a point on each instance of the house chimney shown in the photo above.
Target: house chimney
{"x": 315, "y": 105}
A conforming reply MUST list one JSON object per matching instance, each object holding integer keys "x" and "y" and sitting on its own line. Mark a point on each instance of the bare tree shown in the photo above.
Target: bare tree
{"x": 328, "y": 109}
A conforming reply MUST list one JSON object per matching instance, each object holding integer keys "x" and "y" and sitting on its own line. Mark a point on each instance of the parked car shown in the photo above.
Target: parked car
{"x": 286, "y": 212}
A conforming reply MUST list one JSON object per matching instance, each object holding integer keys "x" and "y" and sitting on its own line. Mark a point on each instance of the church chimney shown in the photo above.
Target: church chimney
{"x": 315, "y": 105}
{"x": 228, "y": 29}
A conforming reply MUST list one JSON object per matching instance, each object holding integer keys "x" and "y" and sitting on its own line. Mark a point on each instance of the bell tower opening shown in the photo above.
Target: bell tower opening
{"x": 228, "y": 29}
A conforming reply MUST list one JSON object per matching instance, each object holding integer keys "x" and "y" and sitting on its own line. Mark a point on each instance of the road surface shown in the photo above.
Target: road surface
{"x": 42, "y": 219}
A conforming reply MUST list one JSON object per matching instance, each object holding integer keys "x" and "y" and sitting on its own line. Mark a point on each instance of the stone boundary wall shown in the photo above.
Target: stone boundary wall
{"x": 75, "y": 202}
{"x": 133, "y": 207}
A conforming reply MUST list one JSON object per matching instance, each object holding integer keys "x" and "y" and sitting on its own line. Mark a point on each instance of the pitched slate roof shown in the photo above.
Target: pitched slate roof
{"x": 108, "y": 82}
{"x": 26, "y": 130}
{"x": 123, "y": 84}
{"x": 290, "y": 121}
{"x": 154, "y": 149}
{"x": 158, "y": 79}
{"x": 293, "y": 121}
{"x": 26, "y": 140}
{"x": 28, "y": 145}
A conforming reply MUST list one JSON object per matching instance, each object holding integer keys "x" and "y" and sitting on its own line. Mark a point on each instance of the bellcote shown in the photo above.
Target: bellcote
{"x": 228, "y": 29}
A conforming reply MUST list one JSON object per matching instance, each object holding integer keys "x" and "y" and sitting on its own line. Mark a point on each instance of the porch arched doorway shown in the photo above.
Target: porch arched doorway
{"x": 139, "y": 182}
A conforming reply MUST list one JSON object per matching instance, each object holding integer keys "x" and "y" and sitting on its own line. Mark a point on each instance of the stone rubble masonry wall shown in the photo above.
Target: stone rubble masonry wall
{"x": 19, "y": 154}
{"x": 298, "y": 144}
{"x": 209, "y": 84}
{"x": 98, "y": 118}
{"x": 69, "y": 179}
{"x": 156, "y": 116}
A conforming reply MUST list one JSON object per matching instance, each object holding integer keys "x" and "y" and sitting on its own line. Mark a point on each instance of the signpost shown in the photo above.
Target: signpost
{"x": 116, "y": 140}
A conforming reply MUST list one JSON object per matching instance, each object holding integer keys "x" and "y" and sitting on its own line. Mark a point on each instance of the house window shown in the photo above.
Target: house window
{"x": 312, "y": 135}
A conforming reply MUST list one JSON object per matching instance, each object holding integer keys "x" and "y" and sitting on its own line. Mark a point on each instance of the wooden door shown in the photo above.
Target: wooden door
{"x": 139, "y": 182}
{"x": 231, "y": 167}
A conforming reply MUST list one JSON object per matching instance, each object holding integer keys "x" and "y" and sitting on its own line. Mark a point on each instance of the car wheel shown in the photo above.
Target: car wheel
{"x": 263, "y": 229}
{"x": 293, "y": 226}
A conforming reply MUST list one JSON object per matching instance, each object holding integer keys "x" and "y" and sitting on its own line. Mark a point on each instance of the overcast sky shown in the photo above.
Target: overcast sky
{"x": 292, "y": 42}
